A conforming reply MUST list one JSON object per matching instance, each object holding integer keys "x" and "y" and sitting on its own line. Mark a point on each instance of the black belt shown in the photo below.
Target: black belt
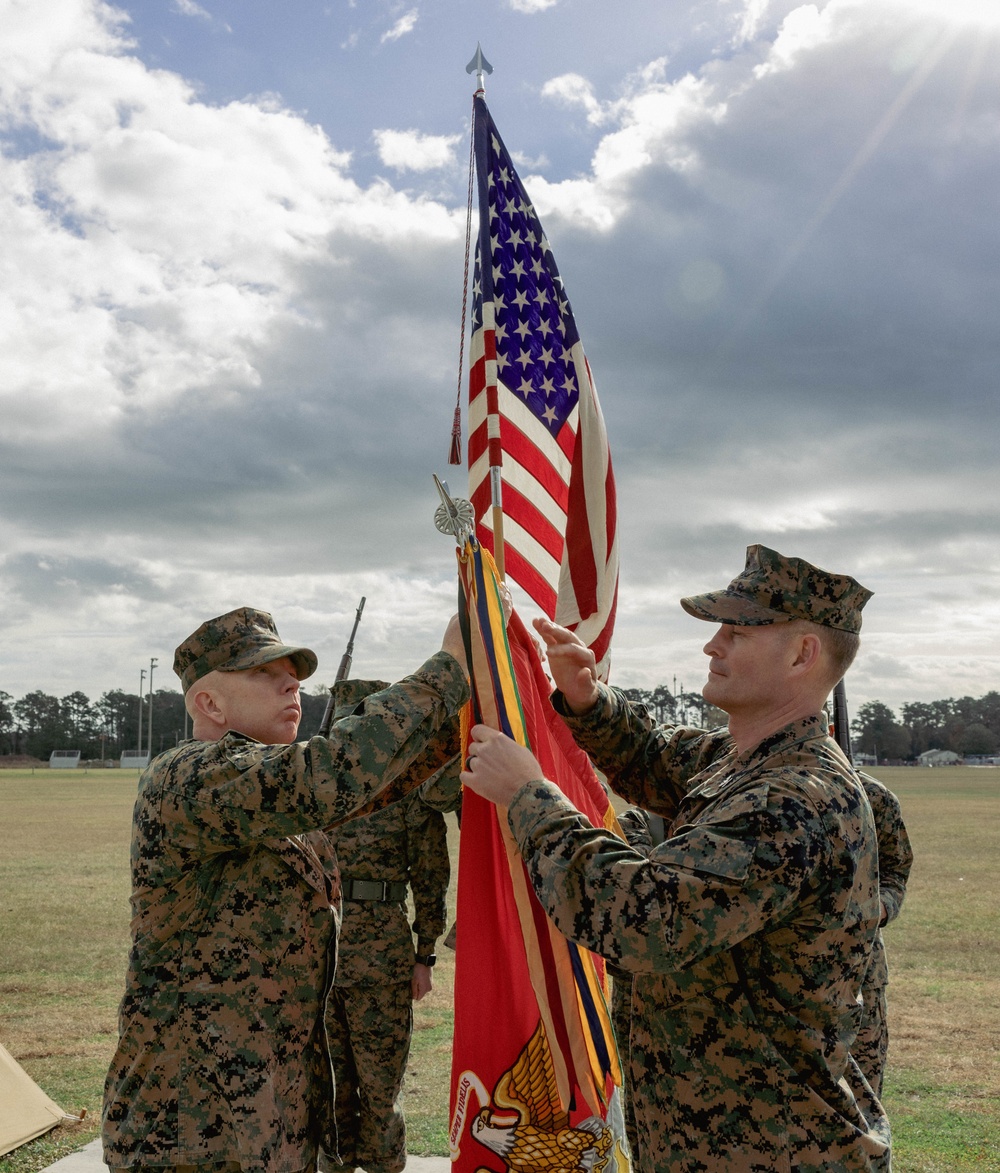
{"x": 391, "y": 891}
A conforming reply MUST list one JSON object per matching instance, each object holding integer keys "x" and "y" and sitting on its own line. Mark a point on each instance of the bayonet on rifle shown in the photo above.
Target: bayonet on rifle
{"x": 342, "y": 671}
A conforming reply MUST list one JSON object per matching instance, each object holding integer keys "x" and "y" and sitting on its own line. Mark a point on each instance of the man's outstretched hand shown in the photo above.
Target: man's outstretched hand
{"x": 571, "y": 665}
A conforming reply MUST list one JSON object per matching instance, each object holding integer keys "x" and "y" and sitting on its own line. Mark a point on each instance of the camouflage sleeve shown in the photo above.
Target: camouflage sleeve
{"x": 443, "y": 790}
{"x": 895, "y": 856}
{"x": 440, "y": 754}
{"x": 440, "y": 764}
{"x": 430, "y": 870}
{"x": 222, "y": 794}
{"x": 702, "y": 891}
{"x": 647, "y": 764}
{"x": 635, "y": 826}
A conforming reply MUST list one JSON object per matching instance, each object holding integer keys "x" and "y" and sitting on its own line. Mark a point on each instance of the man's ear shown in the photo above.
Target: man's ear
{"x": 808, "y": 651}
{"x": 207, "y": 706}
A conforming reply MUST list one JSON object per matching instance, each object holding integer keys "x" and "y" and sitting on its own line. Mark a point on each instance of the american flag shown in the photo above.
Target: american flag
{"x": 534, "y": 417}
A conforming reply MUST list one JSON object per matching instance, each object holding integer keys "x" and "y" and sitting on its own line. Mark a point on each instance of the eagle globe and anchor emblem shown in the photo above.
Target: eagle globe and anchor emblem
{"x": 524, "y": 1124}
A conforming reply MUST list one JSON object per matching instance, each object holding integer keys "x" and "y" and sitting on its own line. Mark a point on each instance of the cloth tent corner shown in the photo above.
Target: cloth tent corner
{"x": 25, "y": 1110}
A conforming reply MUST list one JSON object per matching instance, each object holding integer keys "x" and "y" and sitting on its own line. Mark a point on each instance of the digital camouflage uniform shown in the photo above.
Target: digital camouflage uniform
{"x": 635, "y": 825}
{"x": 895, "y": 857}
{"x": 748, "y": 930}
{"x": 369, "y": 1013}
{"x": 222, "y": 1055}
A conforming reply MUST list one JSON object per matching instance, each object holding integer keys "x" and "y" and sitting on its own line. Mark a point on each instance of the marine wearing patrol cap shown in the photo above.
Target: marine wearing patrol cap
{"x": 775, "y": 589}
{"x": 240, "y": 639}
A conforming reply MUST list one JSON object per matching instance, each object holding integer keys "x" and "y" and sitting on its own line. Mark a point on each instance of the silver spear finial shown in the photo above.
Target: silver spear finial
{"x": 454, "y": 515}
{"x": 479, "y": 66}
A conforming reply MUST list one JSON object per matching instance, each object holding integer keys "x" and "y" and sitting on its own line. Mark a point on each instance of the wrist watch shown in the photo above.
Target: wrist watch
{"x": 428, "y": 959}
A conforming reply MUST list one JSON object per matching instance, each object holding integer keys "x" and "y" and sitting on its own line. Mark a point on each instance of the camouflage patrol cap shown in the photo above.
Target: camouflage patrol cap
{"x": 773, "y": 589}
{"x": 240, "y": 639}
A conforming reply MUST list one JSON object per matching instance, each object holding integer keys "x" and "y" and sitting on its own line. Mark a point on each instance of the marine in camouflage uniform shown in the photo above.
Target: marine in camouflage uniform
{"x": 369, "y": 1014}
{"x": 222, "y": 1058}
{"x": 749, "y": 929}
{"x": 895, "y": 858}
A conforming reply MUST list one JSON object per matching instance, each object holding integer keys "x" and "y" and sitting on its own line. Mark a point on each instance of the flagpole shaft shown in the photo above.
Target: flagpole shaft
{"x": 496, "y": 497}
{"x": 498, "y": 540}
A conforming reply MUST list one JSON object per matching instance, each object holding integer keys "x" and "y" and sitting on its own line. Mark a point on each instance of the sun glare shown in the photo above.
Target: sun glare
{"x": 984, "y": 13}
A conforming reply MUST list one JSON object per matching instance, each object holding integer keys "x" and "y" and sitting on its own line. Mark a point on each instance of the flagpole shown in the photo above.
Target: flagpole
{"x": 481, "y": 67}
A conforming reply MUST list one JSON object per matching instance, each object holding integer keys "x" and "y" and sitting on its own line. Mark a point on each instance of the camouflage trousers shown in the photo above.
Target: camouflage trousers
{"x": 872, "y": 1044}
{"x": 207, "y": 1167}
{"x": 621, "y": 1022}
{"x": 369, "y": 1029}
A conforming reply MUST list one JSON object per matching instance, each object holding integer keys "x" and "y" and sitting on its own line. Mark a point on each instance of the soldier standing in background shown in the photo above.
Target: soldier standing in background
{"x": 369, "y": 1015}
{"x": 895, "y": 858}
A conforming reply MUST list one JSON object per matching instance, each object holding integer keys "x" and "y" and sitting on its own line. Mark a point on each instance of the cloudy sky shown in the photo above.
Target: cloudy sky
{"x": 231, "y": 244}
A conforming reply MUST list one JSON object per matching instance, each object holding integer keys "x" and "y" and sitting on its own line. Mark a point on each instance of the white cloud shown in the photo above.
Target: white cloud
{"x": 571, "y": 89}
{"x": 190, "y": 8}
{"x": 405, "y": 24}
{"x": 532, "y": 6}
{"x": 749, "y": 20}
{"x": 409, "y": 150}
{"x": 802, "y": 30}
{"x": 157, "y": 241}
{"x": 654, "y": 125}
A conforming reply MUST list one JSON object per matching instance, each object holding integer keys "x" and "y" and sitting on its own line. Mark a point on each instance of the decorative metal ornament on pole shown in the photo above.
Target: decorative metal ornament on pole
{"x": 152, "y": 665}
{"x": 454, "y": 515}
{"x": 479, "y": 66}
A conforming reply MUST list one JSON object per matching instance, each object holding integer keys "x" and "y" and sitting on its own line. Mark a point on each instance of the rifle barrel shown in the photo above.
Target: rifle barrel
{"x": 841, "y": 720}
{"x": 342, "y": 671}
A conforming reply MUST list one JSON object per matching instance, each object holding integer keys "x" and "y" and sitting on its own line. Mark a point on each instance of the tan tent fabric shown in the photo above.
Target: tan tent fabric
{"x": 25, "y": 1110}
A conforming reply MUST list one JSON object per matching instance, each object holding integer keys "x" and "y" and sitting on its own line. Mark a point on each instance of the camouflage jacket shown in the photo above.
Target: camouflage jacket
{"x": 222, "y": 1053}
{"x": 895, "y": 858}
{"x": 748, "y": 931}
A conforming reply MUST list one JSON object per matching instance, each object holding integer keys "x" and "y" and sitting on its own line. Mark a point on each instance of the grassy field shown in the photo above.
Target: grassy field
{"x": 64, "y": 928}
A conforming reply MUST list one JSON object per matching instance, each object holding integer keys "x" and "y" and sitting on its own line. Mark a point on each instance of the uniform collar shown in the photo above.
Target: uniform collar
{"x": 784, "y": 739}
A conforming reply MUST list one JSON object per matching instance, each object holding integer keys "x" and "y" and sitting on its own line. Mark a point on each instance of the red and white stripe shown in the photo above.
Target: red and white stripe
{"x": 559, "y": 505}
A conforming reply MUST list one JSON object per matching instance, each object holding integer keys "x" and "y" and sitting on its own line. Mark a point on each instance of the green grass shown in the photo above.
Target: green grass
{"x": 942, "y": 1088}
{"x": 64, "y": 933}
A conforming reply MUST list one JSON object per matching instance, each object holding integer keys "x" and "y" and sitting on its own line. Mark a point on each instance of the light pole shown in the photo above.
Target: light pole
{"x": 152, "y": 665}
{"x": 138, "y": 743}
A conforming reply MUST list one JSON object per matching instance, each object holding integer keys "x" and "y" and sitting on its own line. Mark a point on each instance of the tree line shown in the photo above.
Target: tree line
{"x": 38, "y": 723}
{"x": 968, "y": 726}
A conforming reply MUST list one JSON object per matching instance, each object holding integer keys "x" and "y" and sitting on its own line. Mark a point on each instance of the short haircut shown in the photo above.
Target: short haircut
{"x": 841, "y": 646}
